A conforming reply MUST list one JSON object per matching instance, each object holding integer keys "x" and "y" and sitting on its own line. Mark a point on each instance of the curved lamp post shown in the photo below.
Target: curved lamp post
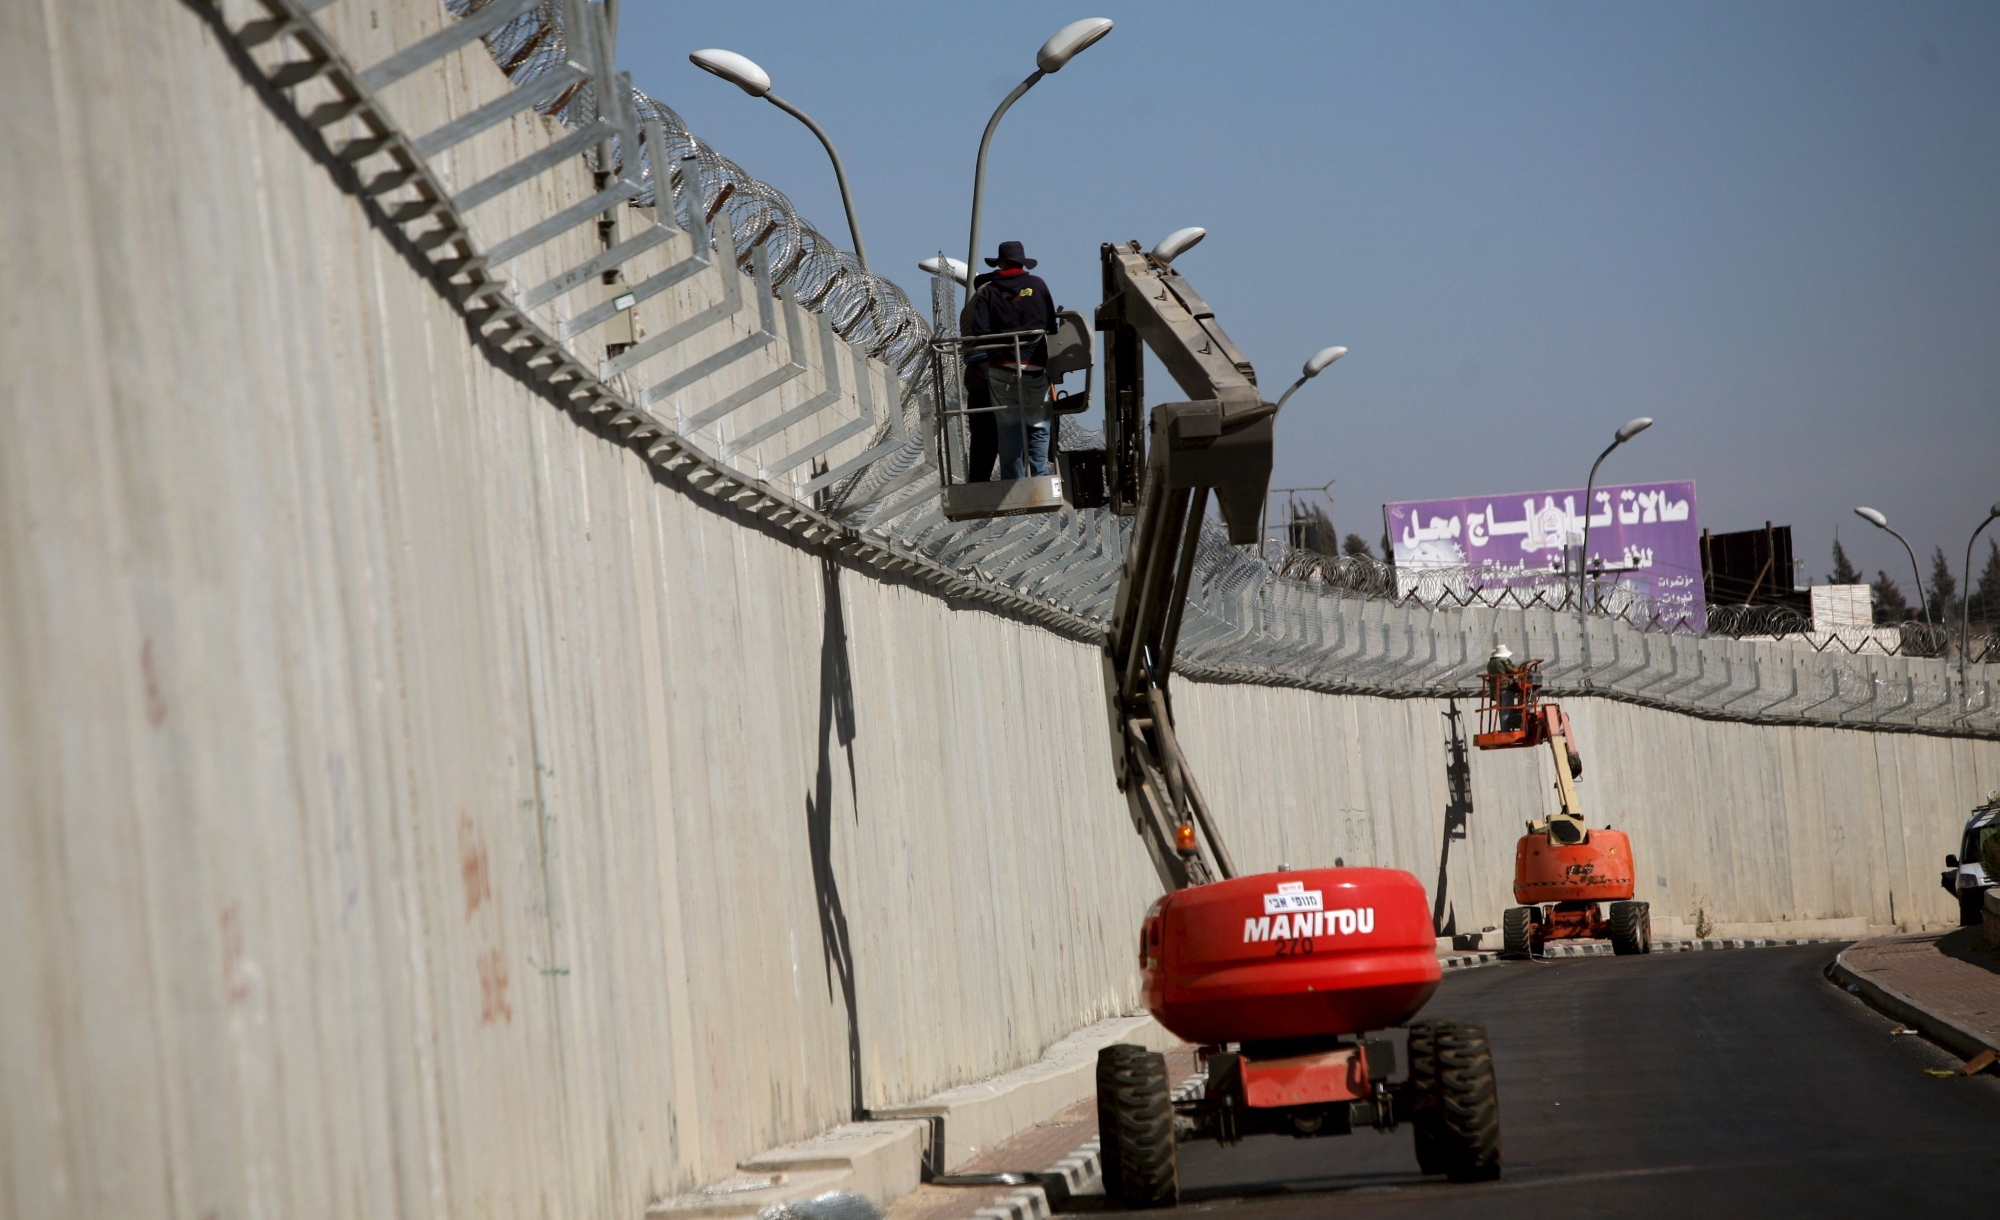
{"x": 1881, "y": 522}
{"x": 740, "y": 71}
{"x": 1314, "y": 367}
{"x": 1630, "y": 429}
{"x": 1061, "y": 47}
{"x": 1965, "y": 600}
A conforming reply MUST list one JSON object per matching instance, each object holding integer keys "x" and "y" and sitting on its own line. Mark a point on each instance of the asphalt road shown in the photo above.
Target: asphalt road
{"x": 1733, "y": 1083}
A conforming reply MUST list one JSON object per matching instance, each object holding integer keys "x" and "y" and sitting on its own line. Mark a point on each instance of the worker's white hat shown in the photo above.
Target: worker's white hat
{"x": 1500, "y": 650}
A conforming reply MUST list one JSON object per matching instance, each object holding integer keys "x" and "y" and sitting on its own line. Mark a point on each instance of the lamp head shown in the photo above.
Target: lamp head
{"x": 1178, "y": 242}
{"x": 1994, "y": 511}
{"x": 1064, "y": 44}
{"x": 737, "y": 69}
{"x": 1872, "y": 517}
{"x": 1321, "y": 358}
{"x": 1634, "y": 427}
{"x": 952, "y": 266}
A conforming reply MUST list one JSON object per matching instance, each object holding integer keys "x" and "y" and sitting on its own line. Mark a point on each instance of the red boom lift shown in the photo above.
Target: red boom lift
{"x": 1562, "y": 869}
{"x": 1277, "y": 977}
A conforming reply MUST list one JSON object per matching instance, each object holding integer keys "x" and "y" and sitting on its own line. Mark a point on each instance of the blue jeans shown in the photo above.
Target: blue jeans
{"x": 1023, "y": 399}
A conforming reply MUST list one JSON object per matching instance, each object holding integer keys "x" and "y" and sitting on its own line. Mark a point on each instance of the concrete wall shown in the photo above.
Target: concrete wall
{"x": 413, "y": 803}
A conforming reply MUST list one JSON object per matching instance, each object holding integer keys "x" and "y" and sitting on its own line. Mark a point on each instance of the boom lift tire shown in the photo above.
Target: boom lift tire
{"x": 1631, "y": 928}
{"x": 1517, "y": 931}
{"x": 1135, "y": 1115}
{"x": 1468, "y": 1103}
{"x": 1425, "y": 1114}
{"x": 1107, "y": 1118}
{"x": 1970, "y": 907}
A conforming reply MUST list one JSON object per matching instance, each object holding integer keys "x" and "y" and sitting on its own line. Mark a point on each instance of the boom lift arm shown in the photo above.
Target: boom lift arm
{"x": 1513, "y": 715}
{"x": 1561, "y": 742}
{"x": 1161, "y": 470}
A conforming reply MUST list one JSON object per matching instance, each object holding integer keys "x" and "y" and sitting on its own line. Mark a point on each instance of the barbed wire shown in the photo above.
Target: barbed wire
{"x": 866, "y": 310}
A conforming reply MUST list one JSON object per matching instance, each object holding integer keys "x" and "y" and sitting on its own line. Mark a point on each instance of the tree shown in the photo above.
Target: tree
{"x": 1986, "y": 594}
{"x": 1890, "y": 605}
{"x": 1311, "y": 529}
{"x": 1844, "y": 572}
{"x": 1357, "y": 545}
{"x": 1388, "y": 552}
{"x": 1944, "y": 589}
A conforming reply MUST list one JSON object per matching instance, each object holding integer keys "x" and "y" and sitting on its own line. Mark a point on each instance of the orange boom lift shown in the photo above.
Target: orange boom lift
{"x": 1562, "y": 869}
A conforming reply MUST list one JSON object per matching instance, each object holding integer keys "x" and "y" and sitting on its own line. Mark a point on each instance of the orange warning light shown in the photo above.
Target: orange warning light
{"x": 1184, "y": 838}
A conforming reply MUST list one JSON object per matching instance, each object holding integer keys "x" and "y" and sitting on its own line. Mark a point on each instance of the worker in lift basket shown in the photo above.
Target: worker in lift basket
{"x": 1015, "y": 300}
{"x": 1502, "y": 663}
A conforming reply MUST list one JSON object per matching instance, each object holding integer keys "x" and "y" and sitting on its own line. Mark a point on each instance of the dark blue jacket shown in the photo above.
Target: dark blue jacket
{"x": 1009, "y": 303}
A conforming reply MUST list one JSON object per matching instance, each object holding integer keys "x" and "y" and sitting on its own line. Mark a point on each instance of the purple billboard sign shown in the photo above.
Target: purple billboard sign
{"x": 1644, "y": 539}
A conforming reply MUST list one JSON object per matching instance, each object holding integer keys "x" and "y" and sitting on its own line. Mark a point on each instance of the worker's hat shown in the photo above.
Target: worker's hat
{"x": 1500, "y": 650}
{"x": 1012, "y": 252}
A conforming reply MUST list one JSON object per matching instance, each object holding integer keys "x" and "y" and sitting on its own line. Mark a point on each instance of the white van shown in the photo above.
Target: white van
{"x": 1976, "y": 867}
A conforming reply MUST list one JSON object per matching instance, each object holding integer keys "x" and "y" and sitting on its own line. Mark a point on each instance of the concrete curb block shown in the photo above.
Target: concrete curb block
{"x": 974, "y": 1117}
{"x": 1074, "y": 1174}
{"x": 1027, "y": 1203}
{"x": 1488, "y": 957}
{"x": 1890, "y": 1002}
{"x": 885, "y": 1158}
{"x": 1059, "y": 1183}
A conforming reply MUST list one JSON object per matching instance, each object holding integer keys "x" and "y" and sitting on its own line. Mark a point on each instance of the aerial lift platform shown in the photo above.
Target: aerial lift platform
{"x": 1277, "y": 977}
{"x": 974, "y": 497}
{"x": 1562, "y": 868}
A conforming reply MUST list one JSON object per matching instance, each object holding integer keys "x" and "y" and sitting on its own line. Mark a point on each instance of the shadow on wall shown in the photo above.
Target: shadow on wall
{"x": 836, "y": 723}
{"x": 1457, "y": 812}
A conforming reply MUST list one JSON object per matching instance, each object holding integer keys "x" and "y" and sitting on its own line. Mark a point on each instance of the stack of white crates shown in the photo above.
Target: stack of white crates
{"x": 1847, "y": 613}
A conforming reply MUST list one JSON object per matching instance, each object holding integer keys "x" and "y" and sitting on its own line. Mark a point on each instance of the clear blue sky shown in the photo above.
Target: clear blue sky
{"x": 1775, "y": 227}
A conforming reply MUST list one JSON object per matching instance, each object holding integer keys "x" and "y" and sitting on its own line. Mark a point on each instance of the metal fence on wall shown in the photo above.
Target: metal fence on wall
{"x": 1337, "y": 623}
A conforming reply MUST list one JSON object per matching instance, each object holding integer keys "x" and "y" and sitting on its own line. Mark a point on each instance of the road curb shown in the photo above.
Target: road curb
{"x": 1053, "y": 1189}
{"x": 1892, "y": 1003}
{"x": 1027, "y": 1203}
{"x": 1060, "y": 1182}
{"x": 1489, "y": 957}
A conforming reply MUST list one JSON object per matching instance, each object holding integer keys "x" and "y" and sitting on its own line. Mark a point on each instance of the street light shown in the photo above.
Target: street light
{"x": 1965, "y": 600}
{"x": 1881, "y": 522}
{"x": 1630, "y": 429}
{"x": 1064, "y": 45}
{"x": 742, "y": 72}
{"x": 1179, "y": 242}
{"x": 1314, "y": 367}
